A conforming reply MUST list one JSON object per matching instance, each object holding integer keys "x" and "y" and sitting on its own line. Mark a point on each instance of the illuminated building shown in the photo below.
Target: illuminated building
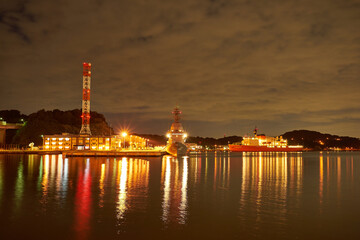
{"x": 98, "y": 143}
{"x": 76, "y": 142}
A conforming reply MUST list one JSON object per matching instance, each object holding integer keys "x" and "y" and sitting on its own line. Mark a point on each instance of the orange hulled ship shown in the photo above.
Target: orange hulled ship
{"x": 262, "y": 143}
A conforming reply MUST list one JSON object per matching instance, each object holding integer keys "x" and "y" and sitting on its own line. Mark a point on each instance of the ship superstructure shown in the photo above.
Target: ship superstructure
{"x": 176, "y": 136}
{"x": 262, "y": 143}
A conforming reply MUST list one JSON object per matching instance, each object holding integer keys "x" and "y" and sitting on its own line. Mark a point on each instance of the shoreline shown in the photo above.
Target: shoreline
{"x": 126, "y": 153}
{"x": 82, "y": 153}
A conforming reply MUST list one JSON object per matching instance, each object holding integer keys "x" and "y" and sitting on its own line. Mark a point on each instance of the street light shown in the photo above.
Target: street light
{"x": 124, "y": 134}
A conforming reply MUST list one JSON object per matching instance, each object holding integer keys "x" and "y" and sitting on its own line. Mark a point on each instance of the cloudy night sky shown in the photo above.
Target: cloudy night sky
{"x": 229, "y": 65}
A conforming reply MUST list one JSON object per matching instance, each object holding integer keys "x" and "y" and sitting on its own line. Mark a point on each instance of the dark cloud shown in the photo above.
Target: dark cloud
{"x": 13, "y": 17}
{"x": 230, "y": 65}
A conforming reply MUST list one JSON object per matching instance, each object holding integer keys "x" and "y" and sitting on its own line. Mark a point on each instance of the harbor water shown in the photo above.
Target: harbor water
{"x": 309, "y": 195}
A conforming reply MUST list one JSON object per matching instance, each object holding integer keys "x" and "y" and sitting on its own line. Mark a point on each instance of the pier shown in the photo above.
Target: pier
{"x": 85, "y": 153}
{"x": 125, "y": 153}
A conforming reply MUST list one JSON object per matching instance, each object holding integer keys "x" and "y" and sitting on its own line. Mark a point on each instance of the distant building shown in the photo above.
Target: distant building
{"x": 193, "y": 146}
{"x": 221, "y": 147}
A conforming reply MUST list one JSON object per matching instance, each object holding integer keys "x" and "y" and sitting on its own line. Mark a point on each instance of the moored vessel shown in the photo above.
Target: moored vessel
{"x": 262, "y": 143}
{"x": 176, "y": 136}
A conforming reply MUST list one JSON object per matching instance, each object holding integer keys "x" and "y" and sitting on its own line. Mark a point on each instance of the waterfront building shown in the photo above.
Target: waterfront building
{"x": 61, "y": 142}
{"x": 193, "y": 147}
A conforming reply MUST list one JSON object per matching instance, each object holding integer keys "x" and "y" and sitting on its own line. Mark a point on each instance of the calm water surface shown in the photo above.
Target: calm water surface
{"x": 206, "y": 196}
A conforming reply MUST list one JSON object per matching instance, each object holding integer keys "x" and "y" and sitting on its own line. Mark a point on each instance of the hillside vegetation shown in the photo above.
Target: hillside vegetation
{"x": 320, "y": 141}
{"x": 58, "y": 122}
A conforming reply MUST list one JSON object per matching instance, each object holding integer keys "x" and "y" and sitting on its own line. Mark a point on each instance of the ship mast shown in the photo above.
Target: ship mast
{"x": 176, "y": 133}
{"x": 176, "y": 113}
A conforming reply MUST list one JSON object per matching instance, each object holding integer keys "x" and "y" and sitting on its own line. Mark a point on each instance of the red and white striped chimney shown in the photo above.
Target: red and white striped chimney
{"x": 85, "y": 127}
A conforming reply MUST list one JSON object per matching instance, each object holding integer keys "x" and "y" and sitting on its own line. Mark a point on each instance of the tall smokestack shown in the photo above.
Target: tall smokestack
{"x": 85, "y": 127}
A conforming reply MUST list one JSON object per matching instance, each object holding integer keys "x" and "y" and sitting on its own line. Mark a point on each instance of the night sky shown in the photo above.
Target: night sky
{"x": 229, "y": 65}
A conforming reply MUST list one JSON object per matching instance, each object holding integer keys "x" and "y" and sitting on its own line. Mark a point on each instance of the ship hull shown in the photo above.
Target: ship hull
{"x": 176, "y": 149}
{"x": 244, "y": 148}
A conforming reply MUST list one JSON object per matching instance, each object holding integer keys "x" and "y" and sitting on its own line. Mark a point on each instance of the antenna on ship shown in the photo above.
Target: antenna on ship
{"x": 255, "y": 131}
{"x": 176, "y": 113}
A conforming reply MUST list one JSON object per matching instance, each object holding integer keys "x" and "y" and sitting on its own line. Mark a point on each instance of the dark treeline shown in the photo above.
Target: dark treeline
{"x": 203, "y": 141}
{"x": 55, "y": 122}
{"x": 319, "y": 141}
{"x": 12, "y": 116}
{"x": 213, "y": 141}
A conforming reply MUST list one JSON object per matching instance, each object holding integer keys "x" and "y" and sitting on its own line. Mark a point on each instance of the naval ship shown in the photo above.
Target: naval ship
{"x": 262, "y": 143}
{"x": 176, "y": 136}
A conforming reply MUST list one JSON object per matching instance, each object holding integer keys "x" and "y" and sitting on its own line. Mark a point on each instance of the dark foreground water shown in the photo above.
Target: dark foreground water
{"x": 207, "y": 196}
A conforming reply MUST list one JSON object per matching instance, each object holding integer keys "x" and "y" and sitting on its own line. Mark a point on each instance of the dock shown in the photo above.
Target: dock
{"x": 124, "y": 153}
{"x": 92, "y": 153}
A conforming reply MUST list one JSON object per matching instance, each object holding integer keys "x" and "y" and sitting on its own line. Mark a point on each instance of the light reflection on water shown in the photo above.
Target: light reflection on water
{"x": 101, "y": 186}
{"x": 122, "y": 179}
{"x": 166, "y": 183}
{"x": 19, "y": 188}
{"x": 175, "y": 186}
{"x": 249, "y": 194}
{"x": 184, "y": 182}
{"x": 1, "y": 181}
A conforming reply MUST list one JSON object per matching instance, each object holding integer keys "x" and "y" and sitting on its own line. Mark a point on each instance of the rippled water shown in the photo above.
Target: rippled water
{"x": 206, "y": 196}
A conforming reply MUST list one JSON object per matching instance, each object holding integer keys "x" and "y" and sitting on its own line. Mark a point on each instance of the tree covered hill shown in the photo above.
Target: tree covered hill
{"x": 319, "y": 141}
{"x": 58, "y": 122}
{"x": 12, "y": 116}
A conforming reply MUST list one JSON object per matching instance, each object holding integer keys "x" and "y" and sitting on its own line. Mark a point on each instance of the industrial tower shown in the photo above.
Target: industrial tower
{"x": 85, "y": 127}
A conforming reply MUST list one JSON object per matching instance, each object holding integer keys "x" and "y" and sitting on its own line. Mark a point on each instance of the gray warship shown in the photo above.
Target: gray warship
{"x": 176, "y": 136}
